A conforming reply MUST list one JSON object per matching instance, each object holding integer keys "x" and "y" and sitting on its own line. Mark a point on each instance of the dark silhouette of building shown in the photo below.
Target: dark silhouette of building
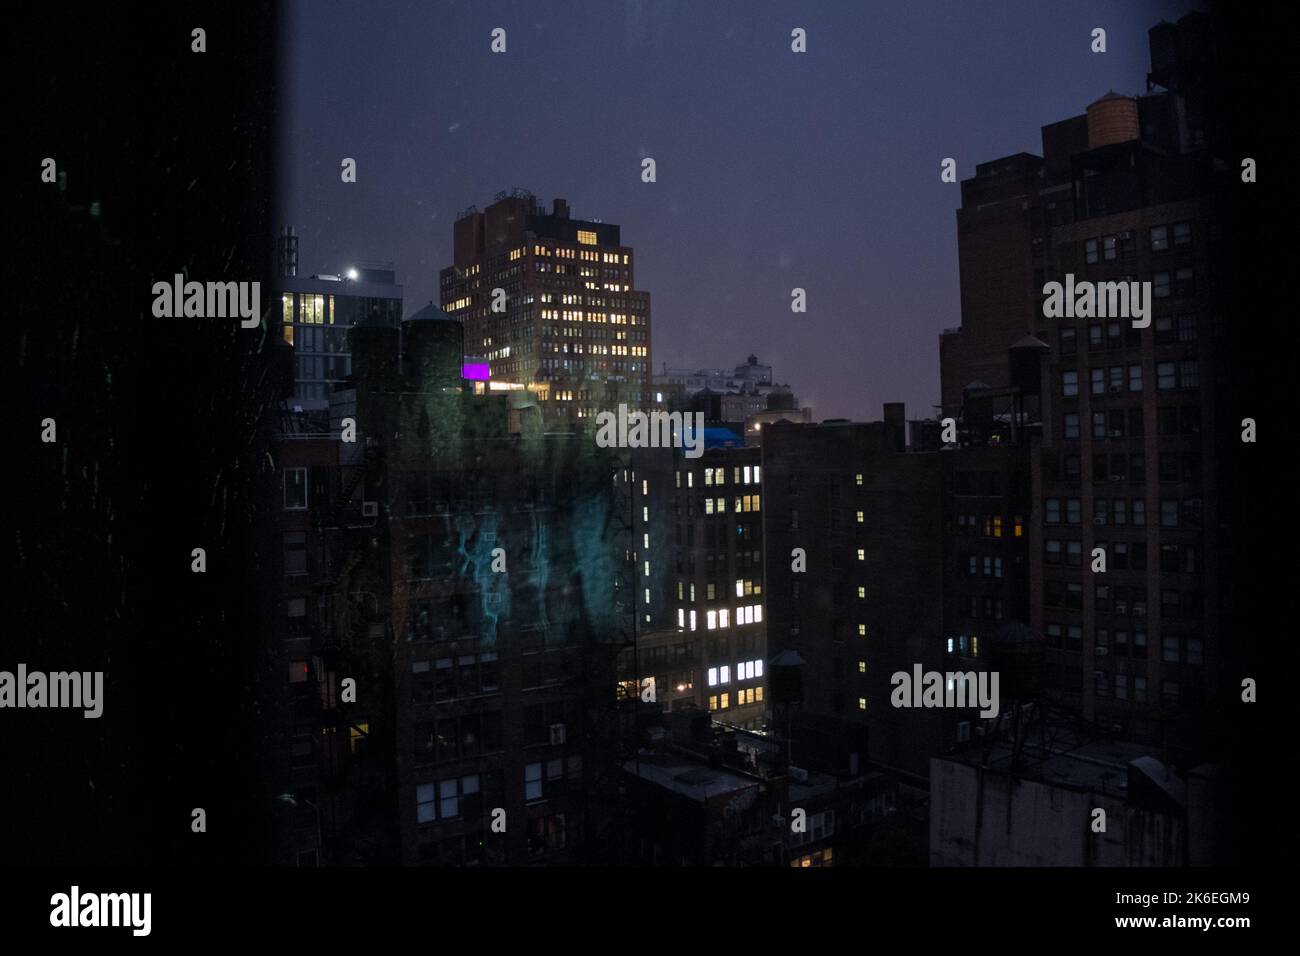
{"x": 864, "y": 517}
{"x": 1126, "y": 469}
{"x": 466, "y": 578}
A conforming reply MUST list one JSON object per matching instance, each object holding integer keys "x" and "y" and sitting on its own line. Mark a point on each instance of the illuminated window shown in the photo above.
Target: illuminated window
{"x": 713, "y": 702}
{"x": 692, "y": 620}
{"x": 862, "y": 593}
{"x": 862, "y": 703}
{"x": 997, "y": 526}
{"x": 725, "y": 701}
{"x": 862, "y": 667}
{"x": 358, "y": 733}
{"x": 1020, "y": 526}
{"x": 713, "y": 677}
{"x": 861, "y": 517}
{"x": 862, "y": 554}
{"x": 724, "y": 618}
{"x": 858, "y": 477}
{"x": 712, "y": 617}
{"x": 758, "y": 695}
{"x": 586, "y": 237}
{"x": 740, "y": 587}
{"x": 724, "y": 674}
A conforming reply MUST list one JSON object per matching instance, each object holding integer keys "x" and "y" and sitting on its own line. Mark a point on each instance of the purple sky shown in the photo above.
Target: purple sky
{"x": 775, "y": 170}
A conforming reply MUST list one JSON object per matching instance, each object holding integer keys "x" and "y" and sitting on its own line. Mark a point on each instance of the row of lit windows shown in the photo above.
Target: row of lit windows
{"x": 747, "y": 474}
{"x": 748, "y": 695}
{"x": 958, "y": 645}
{"x": 745, "y": 670}
{"x": 597, "y": 318}
{"x": 743, "y": 588}
{"x": 311, "y": 309}
{"x": 720, "y": 619}
{"x": 743, "y": 503}
{"x": 585, "y": 237}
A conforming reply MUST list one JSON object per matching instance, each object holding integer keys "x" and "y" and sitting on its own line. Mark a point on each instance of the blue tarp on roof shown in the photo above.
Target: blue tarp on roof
{"x": 721, "y": 437}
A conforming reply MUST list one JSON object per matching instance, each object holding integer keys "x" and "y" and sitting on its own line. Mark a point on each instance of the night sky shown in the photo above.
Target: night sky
{"x": 775, "y": 170}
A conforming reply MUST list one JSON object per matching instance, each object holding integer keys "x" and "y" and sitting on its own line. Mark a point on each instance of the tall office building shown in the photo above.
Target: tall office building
{"x": 1126, "y": 469}
{"x": 550, "y": 302}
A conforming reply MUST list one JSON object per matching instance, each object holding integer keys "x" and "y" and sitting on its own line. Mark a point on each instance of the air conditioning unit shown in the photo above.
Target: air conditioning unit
{"x": 1116, "y": 389}
{"x": 370, "y": 509}
{"x": 1098, "y": 519}
{"x": 557, "y": 733}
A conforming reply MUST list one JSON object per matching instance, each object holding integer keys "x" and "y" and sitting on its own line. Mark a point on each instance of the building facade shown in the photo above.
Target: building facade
{"x": 551, "y": 302}
{"x": 1124, "y": 530}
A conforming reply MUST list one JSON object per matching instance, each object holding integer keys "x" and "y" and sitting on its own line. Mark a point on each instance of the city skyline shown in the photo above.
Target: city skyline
{"x": 717, "y": 304}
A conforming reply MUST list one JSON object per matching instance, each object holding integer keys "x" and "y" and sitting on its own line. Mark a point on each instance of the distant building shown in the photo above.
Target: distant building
{"x": 736, "y": 398}
{"x": 702, "y": 594}
{"x": 567, "y": 323}
{"x": 317, "y": 314}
